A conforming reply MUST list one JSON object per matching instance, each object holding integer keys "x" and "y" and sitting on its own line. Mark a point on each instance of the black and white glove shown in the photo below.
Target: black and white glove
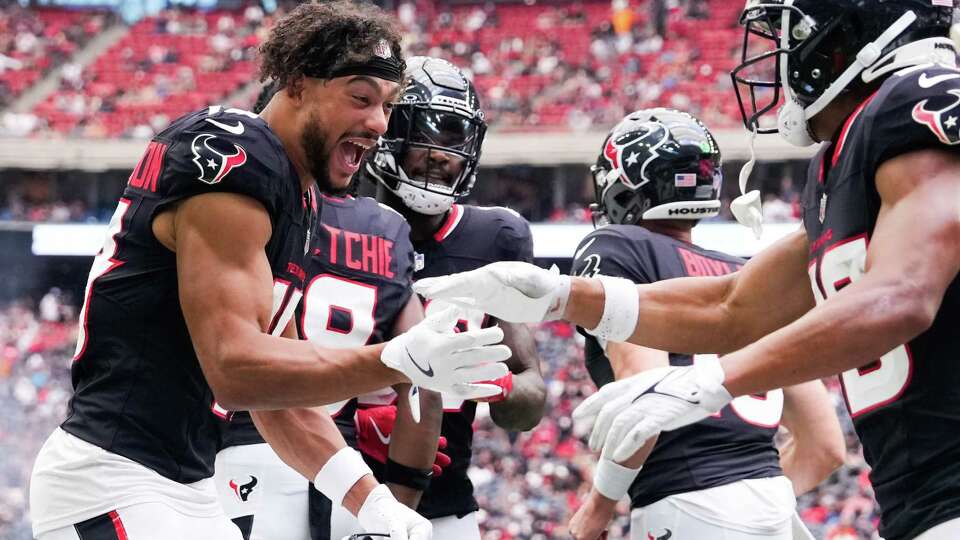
{"x": 622, "y": 415}
{"x": 432, "y": 356}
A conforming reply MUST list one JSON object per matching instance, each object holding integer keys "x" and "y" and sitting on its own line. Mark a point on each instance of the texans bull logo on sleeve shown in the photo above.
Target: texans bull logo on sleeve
{"x": 213, "y": 163}
{"x": 942, "y": 116}
{"x": 625, "y": 151}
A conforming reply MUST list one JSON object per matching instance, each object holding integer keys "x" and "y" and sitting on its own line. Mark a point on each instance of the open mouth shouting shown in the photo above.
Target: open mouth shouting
{"x": 350, "y": 151}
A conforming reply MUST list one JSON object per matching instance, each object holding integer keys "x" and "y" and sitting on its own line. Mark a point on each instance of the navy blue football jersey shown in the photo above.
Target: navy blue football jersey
{"x": 906, "y": 403}
{"x": 734, "y": 444}
{"x": 358, "y": 278}
{"x": 138, "y": 388}
{"x": 470, "y": 237}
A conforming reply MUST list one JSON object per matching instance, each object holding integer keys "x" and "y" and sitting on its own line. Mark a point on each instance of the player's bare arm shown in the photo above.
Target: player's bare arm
{"x": 253, "y": 370}
{"x": 711, "y": 314}
{"x": 414, "y": 444}
{"x": 524, "y": 405}
{"x": 594, "y": 516}
{"x": 225, "y": 283}
{"x": 698, "y": 315}
{"x": 816, "y": 446}
{"x": 305, "y": 438}
{"x": 887, "y": 306}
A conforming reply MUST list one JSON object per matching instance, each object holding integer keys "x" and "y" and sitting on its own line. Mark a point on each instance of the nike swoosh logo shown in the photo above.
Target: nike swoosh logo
{"x": 930, "y": 82}
{"x": 655, "y": 390}
{"x": 384, "y": 439}
{"x": 665, "y": 536}
{"x": 236, "y": 130}
{"x": 428, "y": 372}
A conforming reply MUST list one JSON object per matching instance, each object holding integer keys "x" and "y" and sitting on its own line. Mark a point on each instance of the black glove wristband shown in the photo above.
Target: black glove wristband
{"x": 396, "y": 473}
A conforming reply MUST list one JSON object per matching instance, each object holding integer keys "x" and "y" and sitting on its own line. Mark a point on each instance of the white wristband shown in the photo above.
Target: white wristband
{"x": 613, "y": 480}
{"x": 339, "y": 474}
{"x": 560, "y": 297}
{"x": 621, "y": 308}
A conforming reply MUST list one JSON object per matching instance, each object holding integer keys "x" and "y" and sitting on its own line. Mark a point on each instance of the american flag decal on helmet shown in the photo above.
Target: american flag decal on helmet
{"x": 685, "y": 180}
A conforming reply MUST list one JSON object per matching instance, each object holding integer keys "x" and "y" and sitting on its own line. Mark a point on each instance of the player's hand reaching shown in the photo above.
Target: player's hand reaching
{"x": 382, "y": 512}
{"x": 510, "y": 291}
{"x": 432, "y": 356}
{"x": 591, "y": 520}
{"x": 622, "y": 415}
{"x": 375, "y": 428}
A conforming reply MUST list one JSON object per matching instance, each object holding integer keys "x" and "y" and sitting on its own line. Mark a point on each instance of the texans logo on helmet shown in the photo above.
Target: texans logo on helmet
{"x": 943, "y": 120}
{"x": 243, "y": 491}
{"x": 624, "y": 152}
{"x": 214, "y": 164}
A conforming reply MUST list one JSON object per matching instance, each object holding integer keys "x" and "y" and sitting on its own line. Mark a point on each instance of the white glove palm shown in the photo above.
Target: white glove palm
{"x": 382, "y": 513}
{"x": 622, "y": 415}
{"x": 512, "y": 291}
{"x": 432, "y": 356}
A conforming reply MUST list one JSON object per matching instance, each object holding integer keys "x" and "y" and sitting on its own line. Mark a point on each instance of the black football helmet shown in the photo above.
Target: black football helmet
{"x": 657, "y": 164}
{"x": 814, "y": 50}
{"x": 429, "y": 155}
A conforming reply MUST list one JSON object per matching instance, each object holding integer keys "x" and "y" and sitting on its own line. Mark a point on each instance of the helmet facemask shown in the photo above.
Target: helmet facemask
{"x": 812, "y": 58}
{"x": 429, "y": 154}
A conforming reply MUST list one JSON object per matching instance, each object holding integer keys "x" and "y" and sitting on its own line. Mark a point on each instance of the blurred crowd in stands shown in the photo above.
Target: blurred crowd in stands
{"x": 574, "y": 65}
{"x": 35, "y": 41}
{"x": 528, "y": 484}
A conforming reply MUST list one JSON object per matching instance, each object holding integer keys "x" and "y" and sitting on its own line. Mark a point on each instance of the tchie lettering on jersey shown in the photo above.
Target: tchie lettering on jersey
{"x": 357, "y": 251}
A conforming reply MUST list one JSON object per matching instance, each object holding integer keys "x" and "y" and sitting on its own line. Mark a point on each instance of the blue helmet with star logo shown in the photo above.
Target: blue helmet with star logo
{"x": 657, "y": 164}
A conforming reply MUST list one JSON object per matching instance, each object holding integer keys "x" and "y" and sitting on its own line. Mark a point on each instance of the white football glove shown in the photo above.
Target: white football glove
{"x": 432, "y": 356}
{"x": 512, "y": 291}
{"x": 622, "y": 415}
{"x": 382, "y": 513}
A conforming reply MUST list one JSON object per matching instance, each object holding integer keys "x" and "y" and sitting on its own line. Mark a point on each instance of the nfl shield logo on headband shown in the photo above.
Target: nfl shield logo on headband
{"x": 382, "y": 50}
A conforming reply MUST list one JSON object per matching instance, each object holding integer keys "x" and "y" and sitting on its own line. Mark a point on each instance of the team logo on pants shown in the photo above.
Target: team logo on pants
{"x": 243, "y": 491}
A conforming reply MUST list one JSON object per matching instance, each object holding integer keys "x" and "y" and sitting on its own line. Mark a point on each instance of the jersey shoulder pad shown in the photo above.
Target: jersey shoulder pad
{"x": 227, "y": 150}
{"x": 512, "y": 234}
{"x": 616, "y": 250}
{"x": 914, "y": 109}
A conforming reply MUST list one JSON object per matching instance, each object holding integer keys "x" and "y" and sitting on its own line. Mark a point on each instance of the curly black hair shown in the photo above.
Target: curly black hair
{"x": 319, "y": 37}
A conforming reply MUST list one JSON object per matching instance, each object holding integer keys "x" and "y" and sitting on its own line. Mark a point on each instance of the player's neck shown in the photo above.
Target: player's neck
{"x": 424, "y": 227}
{"x": 676, "y": 229}
{"x": 827, "y": 123}
{"x": 273, "y": 114}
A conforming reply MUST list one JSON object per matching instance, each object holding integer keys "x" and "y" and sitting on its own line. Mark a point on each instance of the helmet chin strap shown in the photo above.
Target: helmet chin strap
{"x": 793, "y": 118}
{"x": 747, "y": 207}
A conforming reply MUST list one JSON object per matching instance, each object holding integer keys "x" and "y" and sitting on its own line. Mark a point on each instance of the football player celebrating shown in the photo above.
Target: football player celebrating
{"x": 200, "y": 274}
{"x": 425, "y": 162}
{"x": 357, "y": 292}
{"x": 657, "y": 174}
{"x": 880, "y": 248}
